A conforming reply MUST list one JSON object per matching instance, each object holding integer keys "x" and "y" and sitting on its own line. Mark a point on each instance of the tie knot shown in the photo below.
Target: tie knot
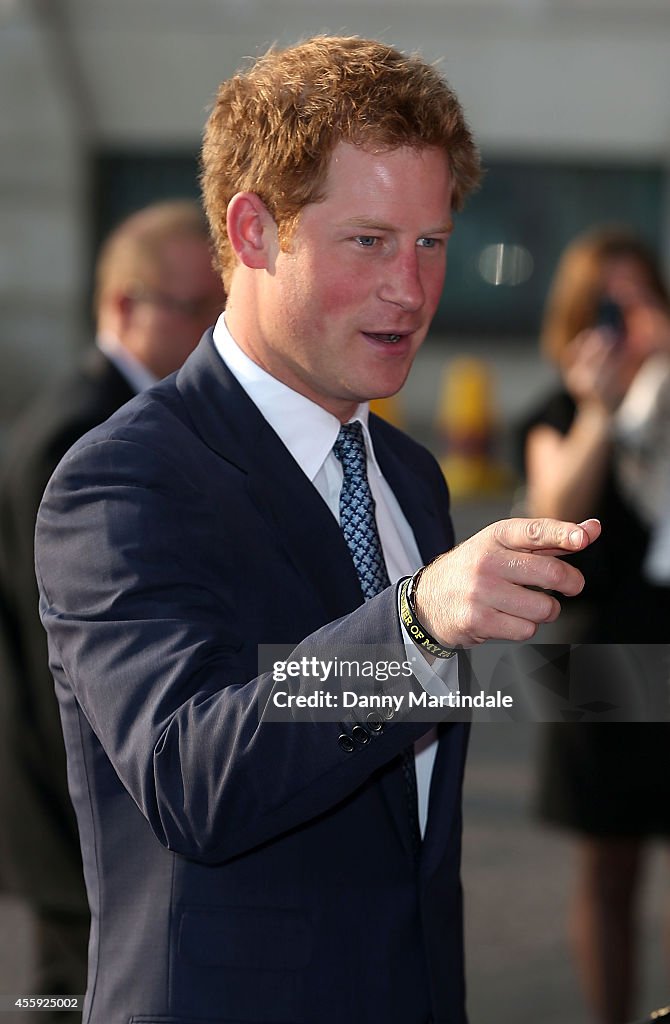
{"x": 349, "y": 447}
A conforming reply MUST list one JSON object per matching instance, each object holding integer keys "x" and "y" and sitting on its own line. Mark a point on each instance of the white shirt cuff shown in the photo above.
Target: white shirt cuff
{"x": 438, "y": 679}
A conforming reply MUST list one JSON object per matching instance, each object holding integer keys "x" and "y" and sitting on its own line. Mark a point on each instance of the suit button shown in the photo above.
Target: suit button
{"x": 388, "y": 714}
{"x": 360, "y": 734}
{"x": 375, "y": 722}
{"x": 346, "y": 742}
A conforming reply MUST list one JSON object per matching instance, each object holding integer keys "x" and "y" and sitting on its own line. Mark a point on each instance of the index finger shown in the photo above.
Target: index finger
{"x": 550, "y": 536}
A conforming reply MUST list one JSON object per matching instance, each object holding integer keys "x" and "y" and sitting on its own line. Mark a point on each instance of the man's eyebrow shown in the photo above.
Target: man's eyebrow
{"x": 365, "y": 222}
{"x": 444, "y": 229}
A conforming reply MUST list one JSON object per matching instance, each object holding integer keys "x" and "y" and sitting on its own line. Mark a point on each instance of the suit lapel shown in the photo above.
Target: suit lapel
{"x": 230, "y": 424}
{"x": 413, "y": 493}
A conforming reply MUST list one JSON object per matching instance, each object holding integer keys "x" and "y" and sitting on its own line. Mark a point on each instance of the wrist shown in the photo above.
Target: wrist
{"x": 594, "y": 415}
{"x": 419, "y": 633}
{"x": 594, "y": 406}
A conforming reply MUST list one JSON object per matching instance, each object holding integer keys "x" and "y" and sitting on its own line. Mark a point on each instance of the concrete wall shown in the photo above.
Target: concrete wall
{"x": 43, "y": 209}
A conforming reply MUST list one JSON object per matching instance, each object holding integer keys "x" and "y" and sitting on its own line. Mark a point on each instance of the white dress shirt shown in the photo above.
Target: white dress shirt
{"x": 309, "y": 432}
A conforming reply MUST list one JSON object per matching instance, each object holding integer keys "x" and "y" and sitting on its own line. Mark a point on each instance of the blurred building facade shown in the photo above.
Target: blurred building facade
{"x": 566, "y": 80}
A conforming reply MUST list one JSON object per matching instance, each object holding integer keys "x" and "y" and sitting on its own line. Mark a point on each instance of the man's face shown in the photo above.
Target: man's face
{"x": 341, "y": 315}
{"x": 167, "y": 321}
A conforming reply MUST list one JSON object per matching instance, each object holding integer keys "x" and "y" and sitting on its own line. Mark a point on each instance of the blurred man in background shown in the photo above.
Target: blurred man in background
{"x": 155, "y": 294}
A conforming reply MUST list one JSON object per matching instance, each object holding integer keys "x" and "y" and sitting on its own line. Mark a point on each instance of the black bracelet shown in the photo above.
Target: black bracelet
{"x": 418, "y": 633}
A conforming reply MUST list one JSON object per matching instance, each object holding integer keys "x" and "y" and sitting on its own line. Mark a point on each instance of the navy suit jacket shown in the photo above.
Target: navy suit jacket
{"x": 237, "y": 870}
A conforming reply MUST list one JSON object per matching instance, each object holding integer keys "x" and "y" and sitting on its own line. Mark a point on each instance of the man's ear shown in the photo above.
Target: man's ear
{"x": 252, "y": 231}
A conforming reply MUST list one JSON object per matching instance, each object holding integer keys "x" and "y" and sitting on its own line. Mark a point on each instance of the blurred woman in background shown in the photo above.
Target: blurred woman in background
{"x": 607, "y": 317}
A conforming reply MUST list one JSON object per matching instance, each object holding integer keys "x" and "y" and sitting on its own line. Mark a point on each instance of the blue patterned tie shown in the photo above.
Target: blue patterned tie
{"x": 357, "y": 512}
{"x": 359, "y": 526}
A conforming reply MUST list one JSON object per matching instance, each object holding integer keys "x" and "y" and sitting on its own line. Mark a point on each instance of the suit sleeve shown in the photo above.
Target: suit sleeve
{"x": 146, "y": 633}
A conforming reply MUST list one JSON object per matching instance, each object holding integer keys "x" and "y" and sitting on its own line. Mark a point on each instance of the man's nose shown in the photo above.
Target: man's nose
{"x": 402, "y": 283}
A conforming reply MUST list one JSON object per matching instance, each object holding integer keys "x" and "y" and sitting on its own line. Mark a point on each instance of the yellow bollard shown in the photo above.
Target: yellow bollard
{"x": 466, "y": 425}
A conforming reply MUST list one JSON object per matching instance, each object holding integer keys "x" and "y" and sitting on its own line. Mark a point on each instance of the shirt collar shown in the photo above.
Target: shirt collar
{"x": 131, "y": 369}
{"x": 308, "y": 431}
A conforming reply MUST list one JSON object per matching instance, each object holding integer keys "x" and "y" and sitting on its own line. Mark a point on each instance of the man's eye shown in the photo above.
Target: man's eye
{"x": 366, "y": 240}
{"x": 427, "y": 243}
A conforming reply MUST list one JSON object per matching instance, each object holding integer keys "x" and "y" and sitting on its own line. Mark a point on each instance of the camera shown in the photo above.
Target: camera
{"x": 609, "y": 315}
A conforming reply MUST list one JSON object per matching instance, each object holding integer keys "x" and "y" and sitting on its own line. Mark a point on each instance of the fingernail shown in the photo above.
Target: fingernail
{"x": 576, "y": 537}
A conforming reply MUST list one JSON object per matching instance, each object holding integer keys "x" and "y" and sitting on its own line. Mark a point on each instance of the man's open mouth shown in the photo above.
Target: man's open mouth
{"x": 389, "y": 339}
